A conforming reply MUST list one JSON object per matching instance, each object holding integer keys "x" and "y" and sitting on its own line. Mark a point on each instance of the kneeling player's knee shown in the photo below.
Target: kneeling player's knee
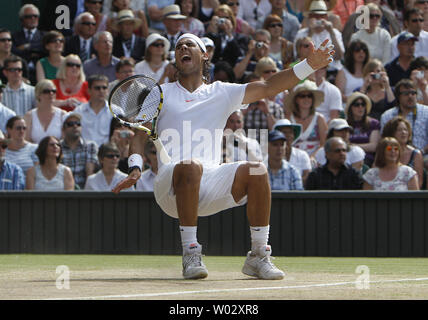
{"x": 187, "y": 173}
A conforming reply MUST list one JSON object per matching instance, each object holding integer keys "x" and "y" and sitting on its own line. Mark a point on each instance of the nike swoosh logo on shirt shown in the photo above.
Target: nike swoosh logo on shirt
{"x": 189, "y": 100}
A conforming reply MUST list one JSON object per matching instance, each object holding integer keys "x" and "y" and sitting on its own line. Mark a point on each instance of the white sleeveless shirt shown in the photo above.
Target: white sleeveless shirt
{"x": 54, "y": 128}
{"x": 55, "y": 184}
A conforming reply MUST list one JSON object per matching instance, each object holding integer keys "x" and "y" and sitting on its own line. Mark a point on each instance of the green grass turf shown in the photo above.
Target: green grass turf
{"x": 378, "y": 266}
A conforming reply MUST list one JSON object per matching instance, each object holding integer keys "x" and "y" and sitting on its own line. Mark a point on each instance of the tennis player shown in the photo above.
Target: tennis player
{"x": 194, "y": 183}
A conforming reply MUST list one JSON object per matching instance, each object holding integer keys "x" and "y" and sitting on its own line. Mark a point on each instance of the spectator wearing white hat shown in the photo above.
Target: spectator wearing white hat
{"x": 354, "y": 154}
{"x": 296, "y": 157}
{"x": 155, "y": 57}
{"x": 173, "y": 21}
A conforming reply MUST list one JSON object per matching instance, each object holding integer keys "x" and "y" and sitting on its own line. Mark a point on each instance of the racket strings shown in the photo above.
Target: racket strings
{"x": 136, "y": 100}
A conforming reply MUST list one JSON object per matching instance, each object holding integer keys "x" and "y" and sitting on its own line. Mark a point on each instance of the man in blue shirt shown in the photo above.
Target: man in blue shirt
{"x": 282, "y": 175}
{"x": 11, "y": 175}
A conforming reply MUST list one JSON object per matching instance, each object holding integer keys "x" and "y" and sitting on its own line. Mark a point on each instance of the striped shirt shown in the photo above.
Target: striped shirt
{"x": 20, "y": 100}
{"x": 76, "y": 160}
{"x": 286, "y": 178}
{"x": 25, "y": 157}
{"x": 11, "y": 177}
{"x": 256, "y": 119}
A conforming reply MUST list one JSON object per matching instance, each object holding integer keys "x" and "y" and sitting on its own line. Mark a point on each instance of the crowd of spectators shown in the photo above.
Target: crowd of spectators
{"x": 360, "y": 123}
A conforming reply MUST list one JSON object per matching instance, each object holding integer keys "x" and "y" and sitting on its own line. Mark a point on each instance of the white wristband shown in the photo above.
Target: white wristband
{"x": 303, "y": 70}
{"x": 135, "y": 160}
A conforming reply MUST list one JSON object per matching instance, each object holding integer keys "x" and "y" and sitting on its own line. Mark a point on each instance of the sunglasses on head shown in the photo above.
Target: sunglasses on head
{"x": 111, "y": 156}
{"x": 72, "y": 64}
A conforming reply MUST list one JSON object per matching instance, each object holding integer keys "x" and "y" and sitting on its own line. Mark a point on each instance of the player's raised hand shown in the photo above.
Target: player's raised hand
{"x": 321, "y": 57}
{"x": 128, "y": 182}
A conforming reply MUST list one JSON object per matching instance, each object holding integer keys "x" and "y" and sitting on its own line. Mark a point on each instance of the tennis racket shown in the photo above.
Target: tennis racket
{"x": 136, "y": 101}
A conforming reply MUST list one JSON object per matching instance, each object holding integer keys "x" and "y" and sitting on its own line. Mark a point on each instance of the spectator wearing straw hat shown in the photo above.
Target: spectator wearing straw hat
{"x": 301, "y": 103}
{"x": 366, "y": 133}
{"x": 319, "y": 29}
{"x": 173, "y": 21}
{"x": 296, "y": 157}
{"x": 126, "y": 44}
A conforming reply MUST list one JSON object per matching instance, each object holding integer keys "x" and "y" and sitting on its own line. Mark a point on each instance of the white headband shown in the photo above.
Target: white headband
{"x": 196, "y": 38}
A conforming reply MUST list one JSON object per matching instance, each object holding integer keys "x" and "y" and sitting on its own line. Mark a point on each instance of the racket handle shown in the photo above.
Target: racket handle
{"x": 163, "y": 155}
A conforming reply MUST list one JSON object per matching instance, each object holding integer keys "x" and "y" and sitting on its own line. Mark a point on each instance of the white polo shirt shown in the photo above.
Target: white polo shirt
{"x": 191, "y": 123}
{"x": 332, "y": 99}
{"x": 95, "y": 127}
{"x": 300, "y": 159}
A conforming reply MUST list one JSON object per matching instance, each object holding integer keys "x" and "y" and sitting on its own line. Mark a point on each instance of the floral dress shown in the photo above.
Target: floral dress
{"x": 399, "y": 183}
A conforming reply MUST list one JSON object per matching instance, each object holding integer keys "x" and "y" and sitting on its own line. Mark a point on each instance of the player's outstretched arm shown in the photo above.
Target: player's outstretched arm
{"x": 136, "y": 147}
{"x": 287, "y": 79}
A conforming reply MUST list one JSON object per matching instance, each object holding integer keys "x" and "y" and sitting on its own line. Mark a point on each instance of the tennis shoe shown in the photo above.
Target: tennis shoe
{"x": 193, "y": 267}
{"x": 258, "y": 264}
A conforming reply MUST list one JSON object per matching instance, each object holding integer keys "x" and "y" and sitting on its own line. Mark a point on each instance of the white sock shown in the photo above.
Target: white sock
{"x": 259, "y": 237}
{"x": 188, "y": 236}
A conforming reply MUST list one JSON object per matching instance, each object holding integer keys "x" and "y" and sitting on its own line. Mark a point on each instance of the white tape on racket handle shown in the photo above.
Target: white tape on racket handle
{"x": 303, "y": 70}
{"x": 135, "y": 160}
{"x": 163, "y": 155}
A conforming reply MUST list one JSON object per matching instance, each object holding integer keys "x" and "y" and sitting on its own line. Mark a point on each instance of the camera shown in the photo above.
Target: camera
{"x": 259, "y": 44}
{"x": 420, "y": 74}
{"x": 318, "y": 23}
{"x": 124, "y": 134}
{"x": 221, "y": 20}
{"x": 376, "y": 76}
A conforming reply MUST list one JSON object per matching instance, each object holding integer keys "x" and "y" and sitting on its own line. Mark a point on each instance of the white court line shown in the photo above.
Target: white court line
{"x": 160, "y": 294}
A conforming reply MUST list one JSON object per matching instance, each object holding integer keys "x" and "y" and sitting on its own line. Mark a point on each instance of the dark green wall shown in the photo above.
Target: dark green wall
{"x": 352, "y": 224}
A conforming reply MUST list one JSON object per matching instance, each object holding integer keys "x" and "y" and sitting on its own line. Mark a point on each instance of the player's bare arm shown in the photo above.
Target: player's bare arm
{"x": 287, "y": 79}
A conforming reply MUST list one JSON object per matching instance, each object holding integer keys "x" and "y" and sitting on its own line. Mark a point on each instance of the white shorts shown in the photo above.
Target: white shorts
{"x": 215, "y": 192}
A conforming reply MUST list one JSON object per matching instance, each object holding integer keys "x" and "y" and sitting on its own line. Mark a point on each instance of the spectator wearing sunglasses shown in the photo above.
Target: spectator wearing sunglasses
{"x": 5, "y": 50}
{"x": 27, "y": 42}
{"x": 388, "y": 173}
{"x": 155, "y": 58}
{"x": 20, "y": 151}
{"x": 71, "y": 84}
{"x": 423, "y": 6}
{"x": 11, "y": 175}
{"x": 79, "y": 154}
{"x": 280, "y": 48}
{"x": 47, "y": 67}
{"x": 378, "y": 40}
{"x": 290, "y": 23}
{"x": 95, "y": 113}
{"x": 109, "y": 175}
{"x": 409, "y": 109}
{"x": 50, "y": 174}
{"x": 17, "y": 95}
{"x": 45, "y": 119}
{"x": 413, "y": 22}
{"x": 81, "y": 42}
